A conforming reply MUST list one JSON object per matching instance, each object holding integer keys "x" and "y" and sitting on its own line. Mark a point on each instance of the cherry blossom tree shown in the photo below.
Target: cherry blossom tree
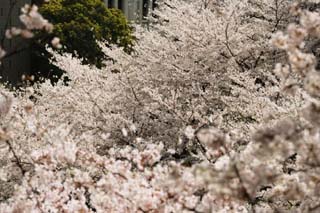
{"x": 207, "y": 116}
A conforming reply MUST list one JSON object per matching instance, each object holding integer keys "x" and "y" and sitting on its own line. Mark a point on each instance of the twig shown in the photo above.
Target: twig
{"x": 227, "y": 40}
{"x": 14, "y": 52}
{"x": 17, "y": 159}
{"x": 257, "y": 59}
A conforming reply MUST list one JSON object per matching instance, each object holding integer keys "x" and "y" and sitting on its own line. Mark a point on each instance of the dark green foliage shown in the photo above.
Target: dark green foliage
{"x": 82, "y": 24}
{"x": 41, "y": 65}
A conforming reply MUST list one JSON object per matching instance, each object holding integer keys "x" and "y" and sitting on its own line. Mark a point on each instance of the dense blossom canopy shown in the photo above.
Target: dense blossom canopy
{"x": 216, "y": 111}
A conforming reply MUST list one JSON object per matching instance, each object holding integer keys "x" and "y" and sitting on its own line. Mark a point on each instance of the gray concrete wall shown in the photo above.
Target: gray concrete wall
{"x": 132, "y": 9}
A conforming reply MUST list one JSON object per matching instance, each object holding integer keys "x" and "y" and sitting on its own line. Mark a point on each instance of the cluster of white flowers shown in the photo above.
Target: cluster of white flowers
{"x": 5, "y": 104}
